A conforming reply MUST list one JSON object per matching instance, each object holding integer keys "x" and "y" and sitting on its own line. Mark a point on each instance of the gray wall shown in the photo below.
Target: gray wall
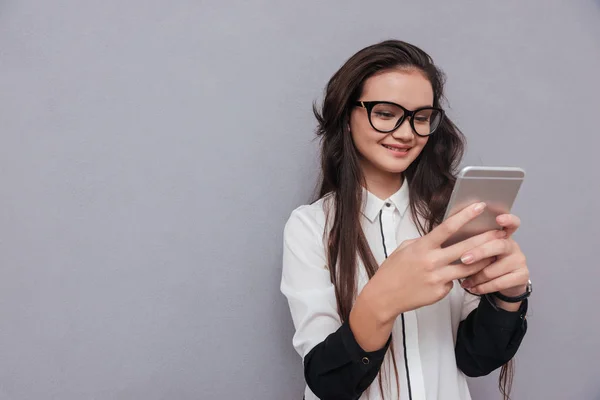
{"x": 151, "y": 152}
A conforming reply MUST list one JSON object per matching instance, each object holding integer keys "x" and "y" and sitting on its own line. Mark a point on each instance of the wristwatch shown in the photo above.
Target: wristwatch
{"x": 515, "y": 299}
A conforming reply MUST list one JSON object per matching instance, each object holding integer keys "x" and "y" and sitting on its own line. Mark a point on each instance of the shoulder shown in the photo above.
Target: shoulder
{"x": 310, "y": 218}
{"x": 308, "y": 225}
{"x": 304, "y": 240}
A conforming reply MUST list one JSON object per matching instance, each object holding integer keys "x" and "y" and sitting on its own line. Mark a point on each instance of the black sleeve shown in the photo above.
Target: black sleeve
{"x": 489, "y": 337}
{"x": 338, "y": 368}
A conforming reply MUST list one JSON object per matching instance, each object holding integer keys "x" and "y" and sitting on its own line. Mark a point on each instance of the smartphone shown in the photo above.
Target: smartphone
{"x": 496, "y": 186}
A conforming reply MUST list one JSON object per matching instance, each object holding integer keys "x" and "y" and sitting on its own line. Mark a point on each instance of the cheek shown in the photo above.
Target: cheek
{"x": 365, "y": 142}
{"x": 421, "y": 142}
{"x": 363, "y": 135}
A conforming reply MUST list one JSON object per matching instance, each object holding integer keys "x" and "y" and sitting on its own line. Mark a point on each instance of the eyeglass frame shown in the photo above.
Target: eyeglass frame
{"x": 369, "y": 105}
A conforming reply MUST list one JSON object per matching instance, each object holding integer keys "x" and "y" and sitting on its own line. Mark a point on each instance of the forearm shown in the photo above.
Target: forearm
{"x": 369, "y": 320}
{"x": 489, "y": 338}
{"x": 344, "y": 365}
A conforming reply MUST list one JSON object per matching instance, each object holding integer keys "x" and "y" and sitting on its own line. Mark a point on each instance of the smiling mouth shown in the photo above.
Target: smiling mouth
{"x": 396, "y": 149}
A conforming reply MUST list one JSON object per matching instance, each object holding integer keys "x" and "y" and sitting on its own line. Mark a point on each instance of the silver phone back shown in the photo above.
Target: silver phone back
{"x": 496, "y": 186}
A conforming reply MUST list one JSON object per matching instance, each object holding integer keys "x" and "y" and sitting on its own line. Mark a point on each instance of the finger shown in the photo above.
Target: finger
{"x": 491, "y": 272}
{"x": 493, "y": 248}
{"x": 450, "y": 226}
{"x": 456, "y": 251}
{"x": 460, "y": 271}
{"x": 509, "y": 222}
{"x": 515, "y": 278}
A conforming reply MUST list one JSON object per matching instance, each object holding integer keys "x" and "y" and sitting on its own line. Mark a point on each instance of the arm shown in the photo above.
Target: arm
{"x": 335, "y": 365}
{"x": 489, "y": 337}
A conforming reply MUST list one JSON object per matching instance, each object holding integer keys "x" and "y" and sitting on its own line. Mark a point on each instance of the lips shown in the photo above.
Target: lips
{"x": 397, "y": 148}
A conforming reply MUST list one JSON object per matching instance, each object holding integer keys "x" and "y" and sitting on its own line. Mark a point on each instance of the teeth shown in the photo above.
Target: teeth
{"x": 395, "y": 149}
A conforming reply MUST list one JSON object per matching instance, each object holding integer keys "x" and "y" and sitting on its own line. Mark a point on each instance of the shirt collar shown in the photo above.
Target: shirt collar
{"x": 372, "y": 204}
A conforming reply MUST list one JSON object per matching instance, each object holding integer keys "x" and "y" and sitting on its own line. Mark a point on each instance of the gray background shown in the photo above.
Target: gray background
{"x": 151, "y": 152}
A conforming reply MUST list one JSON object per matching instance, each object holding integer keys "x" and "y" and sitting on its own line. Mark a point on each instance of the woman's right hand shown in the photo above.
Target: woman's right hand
{"x": 420, "y": 272}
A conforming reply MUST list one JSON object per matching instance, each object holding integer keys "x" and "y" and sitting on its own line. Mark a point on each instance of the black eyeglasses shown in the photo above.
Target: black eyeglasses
{"x": 386, "y": 117}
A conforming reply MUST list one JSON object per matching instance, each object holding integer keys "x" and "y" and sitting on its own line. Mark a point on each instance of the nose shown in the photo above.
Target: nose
{"x": 404, "y": 132}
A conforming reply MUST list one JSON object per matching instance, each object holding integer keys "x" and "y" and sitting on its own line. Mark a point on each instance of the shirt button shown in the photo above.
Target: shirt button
{"x": 365, "y": 360}
{"x": 388, "y": 204}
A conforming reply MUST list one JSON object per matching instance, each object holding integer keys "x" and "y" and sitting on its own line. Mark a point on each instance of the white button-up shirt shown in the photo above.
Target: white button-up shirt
{"x": 430, "y": 331}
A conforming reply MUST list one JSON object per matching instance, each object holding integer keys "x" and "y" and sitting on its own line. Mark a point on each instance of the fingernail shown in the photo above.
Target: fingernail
{"x": 466, "y": 284}
{"x": 467, "y": 258}
{"x": 479, "y": 207}
{"x": 474, "y": 290}
{"x": 501, "y": 234}
{"x": 502, "y": 219}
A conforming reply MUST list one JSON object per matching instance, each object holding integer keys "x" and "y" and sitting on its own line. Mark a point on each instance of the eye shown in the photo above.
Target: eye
{"x": 386, "y": 112}
{"x": 424, "y": 116}
{"x": 383, "y": 114}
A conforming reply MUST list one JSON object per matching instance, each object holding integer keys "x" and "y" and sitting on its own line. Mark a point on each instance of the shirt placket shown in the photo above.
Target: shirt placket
{"x": 391, "y": 220}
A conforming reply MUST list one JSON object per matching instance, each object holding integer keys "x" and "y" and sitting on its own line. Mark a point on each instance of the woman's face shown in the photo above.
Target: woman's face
{"x": 390, "y": 152}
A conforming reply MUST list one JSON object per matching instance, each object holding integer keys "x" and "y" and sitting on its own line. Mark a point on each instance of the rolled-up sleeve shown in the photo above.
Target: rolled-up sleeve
{"x": 335, "y": 367}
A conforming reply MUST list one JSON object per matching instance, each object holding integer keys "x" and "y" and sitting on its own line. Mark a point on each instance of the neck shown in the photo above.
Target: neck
{"x": 382, "y": 184}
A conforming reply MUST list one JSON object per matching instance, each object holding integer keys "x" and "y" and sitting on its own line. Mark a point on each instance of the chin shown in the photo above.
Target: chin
{"x": 396, "y": 165}
{"x": 395, "y": 168}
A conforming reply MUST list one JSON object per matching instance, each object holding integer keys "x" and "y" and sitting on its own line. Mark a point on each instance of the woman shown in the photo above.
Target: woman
{"x": 375, "y": 300}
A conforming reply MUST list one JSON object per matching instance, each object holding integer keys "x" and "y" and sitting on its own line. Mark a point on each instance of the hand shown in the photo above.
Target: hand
{"x": 419, "y": 272}
{"x": 509, "y": 273}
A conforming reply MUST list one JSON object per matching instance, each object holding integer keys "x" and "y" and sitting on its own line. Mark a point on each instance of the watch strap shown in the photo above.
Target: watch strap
{"x": 515, "y": 299}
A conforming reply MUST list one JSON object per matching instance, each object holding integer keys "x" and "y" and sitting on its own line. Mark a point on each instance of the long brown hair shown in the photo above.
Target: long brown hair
{"x": 430, "y": 177}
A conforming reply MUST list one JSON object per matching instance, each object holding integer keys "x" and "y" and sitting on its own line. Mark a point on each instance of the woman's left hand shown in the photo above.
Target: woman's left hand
{"x": 508, "y": 273}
